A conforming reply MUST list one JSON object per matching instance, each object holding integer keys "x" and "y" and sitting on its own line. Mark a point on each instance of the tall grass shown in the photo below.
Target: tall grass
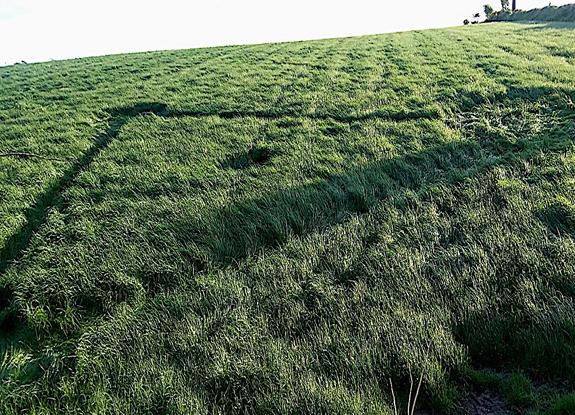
{"x": 284, "y": 228}
{"x": 550, "y": 13}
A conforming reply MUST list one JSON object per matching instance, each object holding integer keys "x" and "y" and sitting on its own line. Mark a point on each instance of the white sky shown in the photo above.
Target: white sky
{"x": 40, "y": 30}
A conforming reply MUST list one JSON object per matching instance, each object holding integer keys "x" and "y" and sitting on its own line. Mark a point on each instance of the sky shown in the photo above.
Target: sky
{"x": 41, "y": 30}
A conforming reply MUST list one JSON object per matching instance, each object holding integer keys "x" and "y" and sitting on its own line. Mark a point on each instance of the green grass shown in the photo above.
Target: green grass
{"x": 550, "y": 13}
{"x": 283, "y": 228}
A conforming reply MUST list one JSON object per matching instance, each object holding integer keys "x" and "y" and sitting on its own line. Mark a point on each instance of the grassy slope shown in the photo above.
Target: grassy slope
{"x": 282, "y": 228}
{"x": 564, "y": 13}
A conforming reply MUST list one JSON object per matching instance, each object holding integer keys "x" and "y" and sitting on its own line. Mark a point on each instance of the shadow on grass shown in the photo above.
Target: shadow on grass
{"x": 36, "y": 215}
{"x": 274, "y": 114}
{"x": 16, "y": 334}
{"x": 271, "y": 219}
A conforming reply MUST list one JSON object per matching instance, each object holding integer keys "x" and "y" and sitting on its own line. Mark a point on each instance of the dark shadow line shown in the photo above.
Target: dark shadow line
{"x": 276, "y": 115}
{"x": 36, "y": 215}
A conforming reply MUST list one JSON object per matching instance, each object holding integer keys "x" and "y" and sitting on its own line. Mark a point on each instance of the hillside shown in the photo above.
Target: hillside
{"x": 550, "y": 13}
{"x": 286, "y": 228}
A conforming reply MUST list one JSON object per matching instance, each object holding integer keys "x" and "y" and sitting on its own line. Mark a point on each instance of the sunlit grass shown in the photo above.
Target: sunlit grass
{"x": 283, "y": 228}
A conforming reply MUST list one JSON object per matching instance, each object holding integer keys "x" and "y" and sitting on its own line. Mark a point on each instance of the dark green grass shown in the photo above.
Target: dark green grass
{"x": 564, "y": 13}
{"x": 283, "y": 228}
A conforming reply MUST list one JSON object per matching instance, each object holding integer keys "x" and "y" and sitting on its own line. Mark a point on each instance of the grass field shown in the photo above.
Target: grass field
{"x": 284, "y": 228}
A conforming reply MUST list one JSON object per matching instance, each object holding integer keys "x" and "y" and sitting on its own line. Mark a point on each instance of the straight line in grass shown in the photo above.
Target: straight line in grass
{"x": 274, "y": 115}
{"x": 52, "y": 198}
